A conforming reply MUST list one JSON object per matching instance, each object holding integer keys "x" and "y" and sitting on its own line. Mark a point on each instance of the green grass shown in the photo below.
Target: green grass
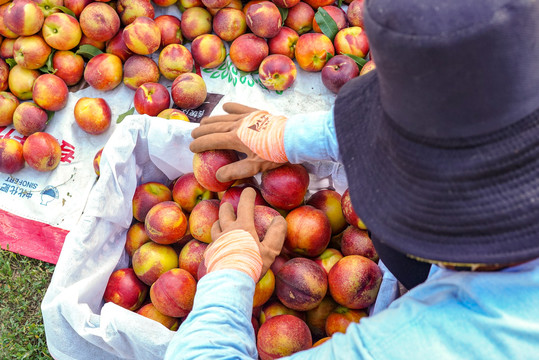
{"x": 23, "y": 282}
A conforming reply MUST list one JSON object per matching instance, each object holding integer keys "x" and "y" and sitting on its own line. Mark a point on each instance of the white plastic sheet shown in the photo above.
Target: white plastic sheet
{"x": 77, "y": 325}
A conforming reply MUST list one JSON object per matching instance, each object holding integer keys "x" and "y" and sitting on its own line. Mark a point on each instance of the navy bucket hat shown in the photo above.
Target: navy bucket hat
{"x": 446, "y": 165}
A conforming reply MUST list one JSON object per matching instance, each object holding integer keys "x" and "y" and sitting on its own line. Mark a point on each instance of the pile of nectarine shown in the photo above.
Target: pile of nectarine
{"x": 47, "y": 46}
{"x": 324, "y": 279}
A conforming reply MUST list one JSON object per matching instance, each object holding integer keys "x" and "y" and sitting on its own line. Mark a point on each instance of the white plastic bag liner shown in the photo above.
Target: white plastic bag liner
{"x": 77, "y": 323}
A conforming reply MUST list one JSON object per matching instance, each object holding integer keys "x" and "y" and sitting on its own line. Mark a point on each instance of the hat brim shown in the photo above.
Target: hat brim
{"x": 473, "y": 200}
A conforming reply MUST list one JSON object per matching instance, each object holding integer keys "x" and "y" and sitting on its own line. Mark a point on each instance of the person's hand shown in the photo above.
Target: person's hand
{"x": 235, "y": 243}
{"x": 253, "y": 132}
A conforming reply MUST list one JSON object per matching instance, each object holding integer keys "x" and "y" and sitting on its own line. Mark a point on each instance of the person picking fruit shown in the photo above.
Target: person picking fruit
{"x": 236, "y": 258}
{"x": 440, "y": 147}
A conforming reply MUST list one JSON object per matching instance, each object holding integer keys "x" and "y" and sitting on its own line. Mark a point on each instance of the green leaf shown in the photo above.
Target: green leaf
{"x": 339, "y": 4}
{"x": 88, "y": 51}
{"x": 359, "y": 60}
{"x": 180, "y": 7}
{"x": 48, "y": 68}
{"x": 50, "y": 114}
{"x": 328, "y": 56}
{"x": 121, "y": 117}
{"x": 326, "y": 23}
{"x": 65, "y": 10}
{"x": 284, "y": 14}
{"x": 11, "y": 62}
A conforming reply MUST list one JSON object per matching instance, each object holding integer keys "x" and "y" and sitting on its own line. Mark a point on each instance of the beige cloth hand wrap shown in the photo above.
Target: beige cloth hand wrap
{"x": 263, "y": 133}
{"x": 236, "y": 250}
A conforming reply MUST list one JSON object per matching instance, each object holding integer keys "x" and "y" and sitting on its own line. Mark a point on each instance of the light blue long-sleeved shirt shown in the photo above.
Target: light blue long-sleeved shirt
{"x": 311, "y": 137}
{"x": 453, "y": 315}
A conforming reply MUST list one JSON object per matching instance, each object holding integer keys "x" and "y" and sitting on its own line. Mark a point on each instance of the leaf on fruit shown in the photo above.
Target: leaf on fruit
{"x": 121, "y": 117}
{"x": 48, "y": 68}
{"x": 65, "y": 10}
{"x": 88, "y": 51}
{"x": 50, "y": 114}
{"x": 359, "y": 60}
{"x": 339, "y": 3}
{"x": 326, "y": 23}
{"x": 328, "y": 56}
{"x": 284, "y": 13}
{"x": 11, "y": 62}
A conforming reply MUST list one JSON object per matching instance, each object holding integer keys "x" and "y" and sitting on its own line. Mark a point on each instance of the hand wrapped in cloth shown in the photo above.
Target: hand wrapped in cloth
{"x": 235, "y": 243}
{"x": 256, "y": 133}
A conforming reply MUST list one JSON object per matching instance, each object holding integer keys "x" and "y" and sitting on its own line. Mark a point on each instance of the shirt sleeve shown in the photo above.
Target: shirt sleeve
{"x": 311, "y": 137}
{"x": 219, "y": 325}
